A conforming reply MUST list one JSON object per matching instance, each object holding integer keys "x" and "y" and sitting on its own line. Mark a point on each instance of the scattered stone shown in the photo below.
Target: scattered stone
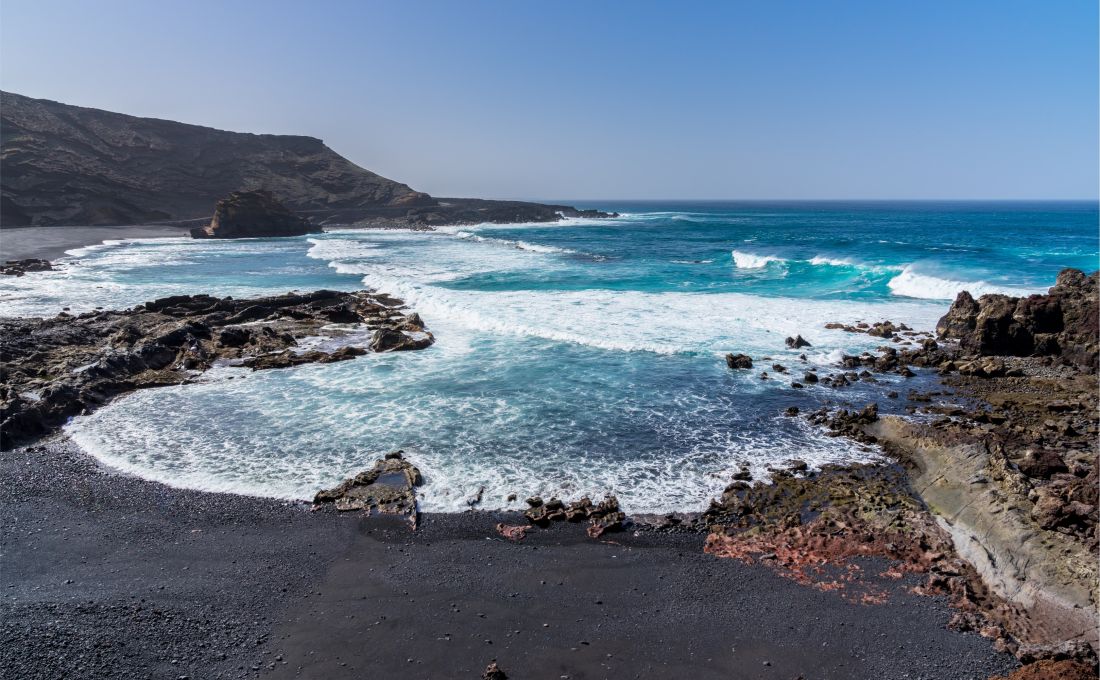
{"x": 513, "y": 532}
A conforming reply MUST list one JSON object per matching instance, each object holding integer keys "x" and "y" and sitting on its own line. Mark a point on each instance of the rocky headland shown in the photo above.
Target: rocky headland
{"x": 58, "y": 367}
{"x": 70, "y": 165}
{"x": 992, "y": 489}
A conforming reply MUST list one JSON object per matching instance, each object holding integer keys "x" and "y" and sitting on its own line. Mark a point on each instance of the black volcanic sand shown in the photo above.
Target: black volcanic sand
{"x": 105, "y": 575}
{"x": 50, "y": 243}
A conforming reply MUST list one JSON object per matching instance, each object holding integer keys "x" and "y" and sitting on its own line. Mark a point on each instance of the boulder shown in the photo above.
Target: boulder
{"x": 797, "y": 342}
{"x": 393, "y": 340}
{"x": 739, "y": 361}
{"x": 253, "y": 214}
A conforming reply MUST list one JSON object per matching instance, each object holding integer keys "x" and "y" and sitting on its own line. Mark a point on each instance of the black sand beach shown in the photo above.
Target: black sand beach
{"x": 106, "y": 575}
{"x": 50, "y": 243}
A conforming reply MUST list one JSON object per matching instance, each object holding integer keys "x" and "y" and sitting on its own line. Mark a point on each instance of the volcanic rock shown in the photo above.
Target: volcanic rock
{"x": 59, "y": 367}
{"x": 797, "y": 342}
{"x": 1064, "y": 323}
{"x": 739, "y": 361}
{"x": 21, "y": 267}
{"x": 388, "y": 487}
{"x": 253, "y": 214}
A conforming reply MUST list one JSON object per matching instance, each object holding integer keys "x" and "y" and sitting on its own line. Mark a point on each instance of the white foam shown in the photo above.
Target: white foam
{"x": 818, "y": 260}
{"x": 346, "y": 414}
{"x": 752, "y": 261}
{"x": 910, "y": 283}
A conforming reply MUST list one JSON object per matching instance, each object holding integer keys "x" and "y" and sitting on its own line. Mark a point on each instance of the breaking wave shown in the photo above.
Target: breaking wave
{"x": 910, "y": 283}
{"x": 750, "y": 261}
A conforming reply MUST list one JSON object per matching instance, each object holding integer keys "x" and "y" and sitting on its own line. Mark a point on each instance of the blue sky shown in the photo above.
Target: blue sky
{"x": 588, "y": 100}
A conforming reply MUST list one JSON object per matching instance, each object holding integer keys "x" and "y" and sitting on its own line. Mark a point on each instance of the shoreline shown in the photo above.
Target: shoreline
{"x": 220, "y": 585}
{"x": 51, "y": 243}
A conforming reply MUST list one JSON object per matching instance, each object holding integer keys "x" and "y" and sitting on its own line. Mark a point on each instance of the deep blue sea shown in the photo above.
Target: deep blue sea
{"x": 580, "y": 357}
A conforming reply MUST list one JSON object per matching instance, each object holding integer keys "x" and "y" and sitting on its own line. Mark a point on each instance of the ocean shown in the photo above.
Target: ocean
{"x": 580, "y": 357}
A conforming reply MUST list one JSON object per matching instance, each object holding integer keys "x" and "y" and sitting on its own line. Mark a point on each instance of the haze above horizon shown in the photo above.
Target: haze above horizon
{"x": 697, "y": 101}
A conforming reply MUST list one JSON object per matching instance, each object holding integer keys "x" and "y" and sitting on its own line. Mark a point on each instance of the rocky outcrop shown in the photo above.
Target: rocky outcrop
{"x": 739, "y": 361}
{"x": 70, "y": 165}
{"x": 21, "y": 267}
{"x": 62, "y": 366}
{"x": 813, "y": 528}
{"x": 983, "y": 502}
{"x": 602, "y": 517}
{"x": 387, "y": 488}
{"x": 253, "y": 214}
{"x": 1064, "y": 323}
{"x": 797, "y": 342}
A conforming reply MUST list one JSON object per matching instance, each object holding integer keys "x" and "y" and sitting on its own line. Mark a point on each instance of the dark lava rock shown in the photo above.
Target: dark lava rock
{"x": 21, "y": 267}
{"x": 288, "y": 358}
{"x": 394, "y": 340}
{"x": 797, "y": 342}
{"x": 739, "y": 361}
{"x": 1042, "y": 464}
{"x": 602, "y": 517}
{"x": 810, "y": 377}
{"x": 388, "y": 487}
{"x": 59, "y": 367}
{"x": 1063, "y": 323}
{"x": 252, "y": 214}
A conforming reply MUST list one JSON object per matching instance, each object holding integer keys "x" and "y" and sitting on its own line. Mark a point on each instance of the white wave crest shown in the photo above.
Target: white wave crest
{"x": 909, "y": 283}
{"x": 818, "y": 260}
{"x": 752, "y": 261}
{"x": 517, "y": 244}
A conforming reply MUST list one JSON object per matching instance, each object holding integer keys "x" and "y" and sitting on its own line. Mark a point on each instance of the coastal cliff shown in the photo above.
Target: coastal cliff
{"x": 71, "y": 165}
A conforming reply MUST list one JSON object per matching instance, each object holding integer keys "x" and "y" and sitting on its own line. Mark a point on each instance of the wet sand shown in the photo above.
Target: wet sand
{"x": 106, "y": 575}
{"x": 50, "y": 243}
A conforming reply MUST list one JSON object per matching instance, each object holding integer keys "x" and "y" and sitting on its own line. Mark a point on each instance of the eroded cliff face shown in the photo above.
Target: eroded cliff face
{"x": 69, "y": 165}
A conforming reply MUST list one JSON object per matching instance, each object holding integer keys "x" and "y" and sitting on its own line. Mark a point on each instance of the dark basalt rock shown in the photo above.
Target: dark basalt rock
{"x": 253, "y": 214}
{"x": 388, "y": 488}
{"x": 1064, "y": 323}
{"x": 739, "y": 361}
{"x": 59, "y": 367}
{"x": 21, "y": 267}
{"x": 493, "y": 672}
{"x": 394, "y": 340}
{"x": 797, "y": 342}
{"x": 602, "y": 517}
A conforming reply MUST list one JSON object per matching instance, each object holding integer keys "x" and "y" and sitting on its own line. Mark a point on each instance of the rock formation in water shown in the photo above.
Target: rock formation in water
{"x": 251, "y": 214}
{"x": 70, "y": 165}
{"x": 21, "y": 267}
{"x": 62, "y": 366}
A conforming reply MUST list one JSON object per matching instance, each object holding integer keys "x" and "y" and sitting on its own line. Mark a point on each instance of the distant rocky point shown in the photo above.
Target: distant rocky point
{"x": 252, "y": 214}
{"x": 70, "y": 165}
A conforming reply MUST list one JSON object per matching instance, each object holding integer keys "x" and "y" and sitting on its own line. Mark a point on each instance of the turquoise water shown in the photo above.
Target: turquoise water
{"x": 578, "y": 357}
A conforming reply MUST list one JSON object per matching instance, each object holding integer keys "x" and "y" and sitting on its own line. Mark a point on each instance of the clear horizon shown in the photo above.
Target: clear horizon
{"x": 977, "y": 101}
